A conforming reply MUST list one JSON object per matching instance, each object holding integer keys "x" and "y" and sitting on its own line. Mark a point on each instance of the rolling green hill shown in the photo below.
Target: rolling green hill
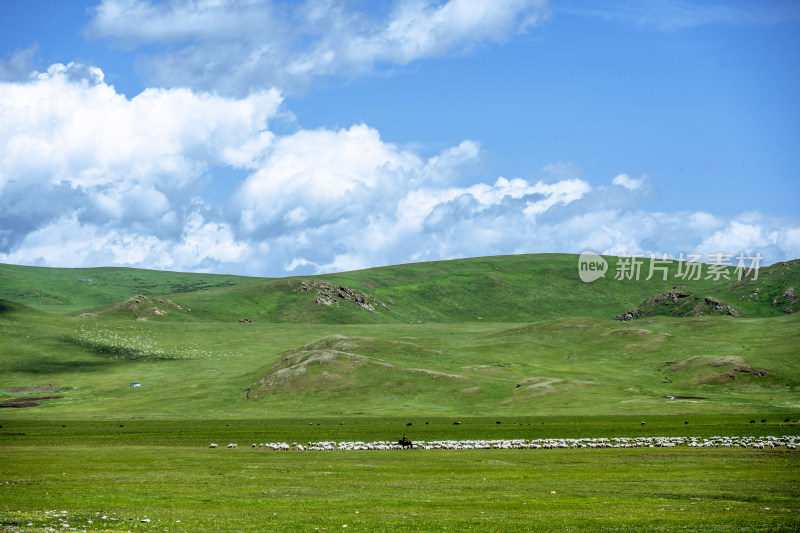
{"x": 67, "y": 290}
{"x": 519, "y": 288}
{"x": 497, "y": 289}
{"x": 515, "y": 335}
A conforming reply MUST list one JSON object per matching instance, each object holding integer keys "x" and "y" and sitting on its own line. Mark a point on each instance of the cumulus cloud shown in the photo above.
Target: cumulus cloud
{"x": 320, "y": 177}
{"x": 71, "y": 146}
{"x": 90, "y": 177}
{"x": 623, "y": 180}
{"x": 236, "y": 46}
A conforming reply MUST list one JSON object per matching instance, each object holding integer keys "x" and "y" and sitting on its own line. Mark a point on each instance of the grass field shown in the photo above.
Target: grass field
{"x": 513, "y": 347}
{"x": 110, "y": 478}
{"x": 568, "y": 366}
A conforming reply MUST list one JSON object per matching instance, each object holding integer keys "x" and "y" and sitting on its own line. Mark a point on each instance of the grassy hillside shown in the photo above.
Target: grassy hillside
{"x": 516, "y": 335}
{"x": 521, "y": 288}
{"x": 67, "y": 290}
{"x": 518, "y": 288}
{"x": 565, "y": 366}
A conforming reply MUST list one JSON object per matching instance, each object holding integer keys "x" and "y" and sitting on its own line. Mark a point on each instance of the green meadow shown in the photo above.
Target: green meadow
{"x": 100, "y": 476}
{"x": 510, "y": 347}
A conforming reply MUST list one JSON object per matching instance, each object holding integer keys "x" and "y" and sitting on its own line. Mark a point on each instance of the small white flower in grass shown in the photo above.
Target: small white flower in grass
{"x": 552, "y": 492}
{"x": 145, "y": 520}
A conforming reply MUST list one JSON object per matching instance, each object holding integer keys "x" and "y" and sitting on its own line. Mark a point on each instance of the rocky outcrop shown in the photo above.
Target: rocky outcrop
{"x": 678, "y": 303}
{"x": 672, "y": 296}
{"x": 721, "y": 307}
{"x": 329, "y": 294}
{"x": 786, "y": 301}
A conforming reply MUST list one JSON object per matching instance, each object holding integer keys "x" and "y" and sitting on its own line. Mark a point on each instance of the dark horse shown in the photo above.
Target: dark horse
{"x": 405, "y": 442}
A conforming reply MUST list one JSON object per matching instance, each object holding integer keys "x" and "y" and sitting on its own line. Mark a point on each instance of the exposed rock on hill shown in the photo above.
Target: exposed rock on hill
{"x": 776, "y": 284}
{"x": 678, "y": 303}
{"x": 329, "y": 294}
{"x": 143, "y": 307}
{"x": 787, "y": 301}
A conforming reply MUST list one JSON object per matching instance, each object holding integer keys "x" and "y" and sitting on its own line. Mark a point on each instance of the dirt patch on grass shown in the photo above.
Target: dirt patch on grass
{"x": 16, "y": 403}
{"x": 36, "y": 388}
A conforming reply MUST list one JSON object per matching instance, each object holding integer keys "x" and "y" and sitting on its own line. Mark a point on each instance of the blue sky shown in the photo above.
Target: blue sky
{"x": 277, "y": 138}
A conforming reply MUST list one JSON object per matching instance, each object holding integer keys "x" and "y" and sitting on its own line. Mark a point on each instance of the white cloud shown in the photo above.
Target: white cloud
{"x": 623, "y": 180}
{"x": 236, "y": 46}
{"x": 423, "y": 29}
{"x": 297, "y": 262}
{"x": 89, "y": 177}
{"x": 737, "y": 236}
{"x": 69, "y": 137}
{"x": 203, "y": 240}
{"x": 68, "y": 242}
{"x": 322, "y": 176}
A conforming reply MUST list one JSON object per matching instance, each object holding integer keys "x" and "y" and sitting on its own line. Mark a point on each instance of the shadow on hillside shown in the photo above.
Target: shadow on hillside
{"x": 45, "y": 365}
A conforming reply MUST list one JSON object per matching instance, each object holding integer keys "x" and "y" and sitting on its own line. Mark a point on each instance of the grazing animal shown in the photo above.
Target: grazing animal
{"x": 405, "y": 442}
{"x": 213, "y": 445}
{"x": 231, "y": 445}
{"x": 642, "y": 423}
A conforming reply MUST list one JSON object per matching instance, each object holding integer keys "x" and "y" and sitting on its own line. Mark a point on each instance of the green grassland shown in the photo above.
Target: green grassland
{"x": 512, "y": 347}
{"x": 60, "y": 290}
{"x": 101, "y": 475}
{"x": 567, "y": 366}
{"x": 436, "y": 338}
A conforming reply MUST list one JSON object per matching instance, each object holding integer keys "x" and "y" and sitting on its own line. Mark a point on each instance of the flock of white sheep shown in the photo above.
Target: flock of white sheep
{"x": 769, "y": 442}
